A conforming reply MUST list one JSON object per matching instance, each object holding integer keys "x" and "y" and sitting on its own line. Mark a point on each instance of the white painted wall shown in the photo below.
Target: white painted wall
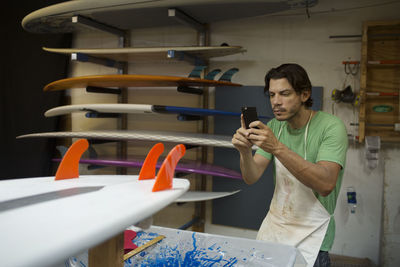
{"x": 292, "y": 37}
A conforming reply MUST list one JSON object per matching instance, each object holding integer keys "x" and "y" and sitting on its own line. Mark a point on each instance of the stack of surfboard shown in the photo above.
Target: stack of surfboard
{"x": 56, "y": 18}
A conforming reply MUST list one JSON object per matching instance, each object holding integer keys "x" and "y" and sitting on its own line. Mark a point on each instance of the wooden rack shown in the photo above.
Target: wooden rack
{"x": 380, "y": 81}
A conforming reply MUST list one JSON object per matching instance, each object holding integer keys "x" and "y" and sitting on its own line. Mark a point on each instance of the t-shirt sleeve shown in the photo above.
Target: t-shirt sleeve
{"x": 334, "y": 144}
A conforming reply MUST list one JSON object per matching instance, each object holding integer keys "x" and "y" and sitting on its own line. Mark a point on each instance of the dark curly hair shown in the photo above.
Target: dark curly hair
{"x": 296, "y": 76}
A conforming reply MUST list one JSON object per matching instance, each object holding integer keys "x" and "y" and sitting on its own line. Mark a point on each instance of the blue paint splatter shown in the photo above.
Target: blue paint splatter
{"x": 183, "y": 248}
{"x": 168, "y": 255}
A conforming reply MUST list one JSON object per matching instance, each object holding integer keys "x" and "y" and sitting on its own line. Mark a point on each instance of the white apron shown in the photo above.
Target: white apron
{"x": 295, "y": 217}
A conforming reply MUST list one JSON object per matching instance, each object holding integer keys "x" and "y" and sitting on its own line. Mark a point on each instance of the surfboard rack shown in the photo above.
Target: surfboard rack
{"x": 97, "y": 115}
{"x": 91, "y": 23}
{"x": 123, "y": 37}
{"x": 103, "y": 90}
{"x": 101, "y": 141}
{"x": 189, "y": 90}
{"x": 189, "y": 223}
{"x": 185, "y": 19}
{"x": 82, "y": 57}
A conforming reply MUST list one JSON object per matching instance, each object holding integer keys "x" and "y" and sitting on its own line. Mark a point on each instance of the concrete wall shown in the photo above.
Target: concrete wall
{"x": 292, "y": 37}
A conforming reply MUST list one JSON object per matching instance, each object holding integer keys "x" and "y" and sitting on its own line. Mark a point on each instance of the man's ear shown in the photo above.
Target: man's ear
{"x": 305, "y": 95}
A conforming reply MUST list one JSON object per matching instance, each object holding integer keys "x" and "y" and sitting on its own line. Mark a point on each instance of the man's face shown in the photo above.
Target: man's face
{"x": 285, "y": 102}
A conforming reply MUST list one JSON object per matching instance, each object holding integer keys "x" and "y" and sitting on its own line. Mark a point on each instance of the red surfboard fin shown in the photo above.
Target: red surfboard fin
{"x": 165, "y": 175}
{"x": 69, "y": 166}
{"x": 148, "y": 170}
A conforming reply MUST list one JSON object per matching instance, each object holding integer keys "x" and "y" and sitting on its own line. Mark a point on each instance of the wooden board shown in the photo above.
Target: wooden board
{"x": 172, "y": 137}
{"x": 128, "y": 14}
{"x": 43, "y": 221}
{"x": 131, "y": 80}
{"x": 131, "y": 54}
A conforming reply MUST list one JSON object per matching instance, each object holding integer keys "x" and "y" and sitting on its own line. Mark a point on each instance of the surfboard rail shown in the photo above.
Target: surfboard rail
{"x": 198, "y": 139}
{"x": 131, "y": 80}
{"x": 137, "y": 109}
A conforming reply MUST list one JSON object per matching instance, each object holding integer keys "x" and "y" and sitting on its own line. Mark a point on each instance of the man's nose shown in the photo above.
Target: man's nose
{"x": 276, "y": 100}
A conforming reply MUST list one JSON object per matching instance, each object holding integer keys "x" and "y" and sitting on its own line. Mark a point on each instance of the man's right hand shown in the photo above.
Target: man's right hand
{"x": 240, "y": 140}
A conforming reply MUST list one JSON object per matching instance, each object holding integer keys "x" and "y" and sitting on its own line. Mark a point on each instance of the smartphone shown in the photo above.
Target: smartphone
{"x": 249, "y": 115}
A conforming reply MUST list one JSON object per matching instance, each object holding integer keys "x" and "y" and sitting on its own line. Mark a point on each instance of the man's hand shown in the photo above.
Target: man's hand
{"x": 240, "y": 140}
{"x": 263, "y": 137}
{"x": 251, "y": 168}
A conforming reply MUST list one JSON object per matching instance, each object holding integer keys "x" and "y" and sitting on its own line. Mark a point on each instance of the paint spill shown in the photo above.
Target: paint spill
{"x": 172, "y": 255}
{"x": 185, "y": 248}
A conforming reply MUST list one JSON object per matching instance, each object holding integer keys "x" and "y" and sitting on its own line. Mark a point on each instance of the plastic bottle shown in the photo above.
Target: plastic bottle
{"x": 351, "y": 199}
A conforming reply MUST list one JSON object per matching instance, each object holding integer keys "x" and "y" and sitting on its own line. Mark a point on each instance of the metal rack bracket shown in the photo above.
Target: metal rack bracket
{"x": 185, "y": 19}
{"x": 88, "y": 22}
{"x": 82, "y": 57}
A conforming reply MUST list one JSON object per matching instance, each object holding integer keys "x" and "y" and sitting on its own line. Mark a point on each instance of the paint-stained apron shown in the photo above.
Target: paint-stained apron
{"x": 296, "y": 217}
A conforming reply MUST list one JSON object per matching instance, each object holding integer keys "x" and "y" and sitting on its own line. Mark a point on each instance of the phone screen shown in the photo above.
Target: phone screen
{"x": 249, "y": 115}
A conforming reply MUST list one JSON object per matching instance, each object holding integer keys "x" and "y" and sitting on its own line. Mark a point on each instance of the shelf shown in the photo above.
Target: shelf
{"x": 380, "y": 81}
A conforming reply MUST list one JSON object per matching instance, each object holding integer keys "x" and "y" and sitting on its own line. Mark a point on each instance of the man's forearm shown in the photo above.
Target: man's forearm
{"x": 250, "y": 170}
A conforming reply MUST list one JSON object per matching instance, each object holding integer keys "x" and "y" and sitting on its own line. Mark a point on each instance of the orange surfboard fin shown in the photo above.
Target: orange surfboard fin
{"x": 165, "y": 175}
{"x": 69, "y": 166}
{"x": 148, "y": 170}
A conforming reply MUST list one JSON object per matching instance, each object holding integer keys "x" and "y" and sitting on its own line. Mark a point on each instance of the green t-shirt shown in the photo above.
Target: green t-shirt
{"x": 326, "y": 141}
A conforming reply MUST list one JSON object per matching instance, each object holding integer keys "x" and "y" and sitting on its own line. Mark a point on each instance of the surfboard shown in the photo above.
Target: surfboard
{"x": 128, "y": 14}
{"x": 196, "y": 139}
{"x": 136, "y": 108}
{"x": 134, "y": 54}
{"x": 43, "y": 222}
{"x": 195, "y": 196}
{"x": 131, "y": 80}
{"x": 183, "y": 166}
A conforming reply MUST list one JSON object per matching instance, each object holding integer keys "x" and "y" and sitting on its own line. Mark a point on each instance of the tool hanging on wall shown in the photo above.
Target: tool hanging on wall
{"x": 351, "y": 70}
{"x": 346, "y": 95}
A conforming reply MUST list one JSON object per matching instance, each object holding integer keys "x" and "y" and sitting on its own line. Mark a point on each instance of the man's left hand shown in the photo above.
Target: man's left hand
{"x": 263, "y": 137}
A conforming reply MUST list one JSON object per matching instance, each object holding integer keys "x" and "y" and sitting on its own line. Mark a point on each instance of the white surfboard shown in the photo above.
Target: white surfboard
{"x": 134, "y": 54}
{"x": 128, "y": 14}
{"x": 129, "y": 135}
{"x": 136, "y": 109}
{"x": 193, "y": 196}
{"x": 43, "y": 222}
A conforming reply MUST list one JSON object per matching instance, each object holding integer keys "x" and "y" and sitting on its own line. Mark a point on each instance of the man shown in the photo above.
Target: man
{"x": 308, "y": 150}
